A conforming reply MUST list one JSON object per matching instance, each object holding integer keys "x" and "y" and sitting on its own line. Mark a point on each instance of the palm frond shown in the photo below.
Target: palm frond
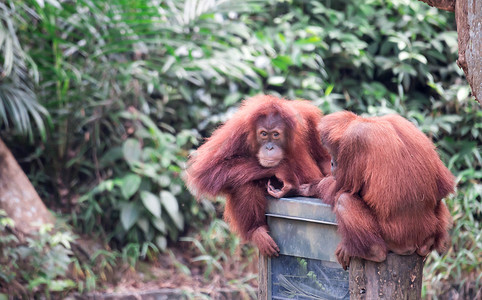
{"x": 18, "y": 102}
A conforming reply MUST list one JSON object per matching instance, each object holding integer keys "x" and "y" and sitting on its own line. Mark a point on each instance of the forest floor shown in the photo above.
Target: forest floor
{"x": 176, "y": 274}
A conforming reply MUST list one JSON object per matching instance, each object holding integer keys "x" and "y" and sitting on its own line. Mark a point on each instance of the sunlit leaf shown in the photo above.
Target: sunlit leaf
{"x": 276, "y": 80}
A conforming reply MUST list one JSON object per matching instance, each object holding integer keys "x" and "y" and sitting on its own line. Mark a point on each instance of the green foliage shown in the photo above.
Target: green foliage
{"x": 18, "y": 101}
{"x": 209, "y": 243}
{"x": 382, "y": 57}
{"x": 131, "y": 86}
{"x": 461, "y": 265}
{"x": 217, "y": 249}
{"x": 40, "y": 262}
{"x": 144, "y": 200}
{"x": 132, "y": 61}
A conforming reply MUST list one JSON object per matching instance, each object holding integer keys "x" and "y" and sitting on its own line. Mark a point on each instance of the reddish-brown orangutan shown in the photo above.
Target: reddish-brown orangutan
{"x": 268, "y": 140}
{"x": 386, "y": 187}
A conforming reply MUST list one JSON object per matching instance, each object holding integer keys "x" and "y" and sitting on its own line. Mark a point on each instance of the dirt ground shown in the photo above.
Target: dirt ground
{"x": 175, "y": 274}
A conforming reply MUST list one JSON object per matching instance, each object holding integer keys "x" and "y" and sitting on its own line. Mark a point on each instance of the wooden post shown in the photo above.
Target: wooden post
{"x": 263, "y": 277}
{"x": 399, "y": 277}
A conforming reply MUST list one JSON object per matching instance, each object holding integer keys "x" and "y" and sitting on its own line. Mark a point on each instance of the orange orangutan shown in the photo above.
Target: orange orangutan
{"x": 386, "y": 187}
{"x": 269, "y": 146}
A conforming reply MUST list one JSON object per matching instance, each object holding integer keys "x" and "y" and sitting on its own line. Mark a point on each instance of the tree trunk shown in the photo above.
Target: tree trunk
{"x": 18, "y": 196}
{"x": 398, "y": 277}
{"x": 468, "y": 15}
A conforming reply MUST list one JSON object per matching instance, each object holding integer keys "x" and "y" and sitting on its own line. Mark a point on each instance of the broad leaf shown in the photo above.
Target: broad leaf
{"x": 129, "y": 215}
{"x": 159, "y": 224}
{"x": 161, "y": 242}
{"x": 61, "y": 285}
{"x": 129, "y": 185}
{"x": 152, "y": 203}
{"x": 132, "y": 150}
{"x": 143, "y": 223}
{"x": 170, "y": 203}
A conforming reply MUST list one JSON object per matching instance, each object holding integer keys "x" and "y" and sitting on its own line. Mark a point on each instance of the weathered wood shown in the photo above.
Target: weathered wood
{"x": 263, "y": 278}
{"x": 399, "y": 277}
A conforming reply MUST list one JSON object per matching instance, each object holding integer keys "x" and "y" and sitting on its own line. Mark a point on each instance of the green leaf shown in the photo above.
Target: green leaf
{"x": 276, "y": 80}
{"x": 403, "y": 55}
{"x": 106, "y": 185}
{"x": 329, "y": 89}
{"x": 36, "y": 282}
{"x": 310, "y": 40}
{"x": 172, "y": 207}
{"x": 420, "y": 58}
{"x": 166, "y": 160}
{"x": 152, "y": 203}
{"x": 129, "y": 185}
{"x": 175, "y": 189}
{"x": 132, "y": 150}
{"x": 61, "y": 285}
{"x": 143, "y": 223}
{"x": 232, "y": 98}
{"x": 463, "y": 93}
{"x": 159, "y": 224}
{"x": 129, "y": 215}
{"x": 164, "y": 180}
{"x": 111, "y": 156}
{"x": 161, "y": 242}
{"x": 282, "y": 61}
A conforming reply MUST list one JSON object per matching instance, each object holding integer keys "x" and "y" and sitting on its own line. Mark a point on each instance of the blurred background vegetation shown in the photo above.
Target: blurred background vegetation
{"x": 101, "y": 103}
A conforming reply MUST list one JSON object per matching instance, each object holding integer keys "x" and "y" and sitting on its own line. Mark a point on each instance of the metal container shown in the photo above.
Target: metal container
{"x": 305, "y": 231}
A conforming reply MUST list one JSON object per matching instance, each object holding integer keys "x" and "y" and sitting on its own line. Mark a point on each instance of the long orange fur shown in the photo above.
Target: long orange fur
{"x": 226, "y": 164}
{"x": 387, "y": 186}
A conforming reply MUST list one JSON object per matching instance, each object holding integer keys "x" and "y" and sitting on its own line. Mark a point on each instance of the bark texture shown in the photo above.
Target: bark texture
{"x": 441, "y": 4}
{"x": 468, "y": 15}
{"x": 398, "y": 277}
{"x": 18, "y": 196}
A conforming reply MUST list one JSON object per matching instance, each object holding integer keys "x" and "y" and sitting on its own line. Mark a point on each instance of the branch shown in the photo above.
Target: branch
{"x": 441, "y": 4}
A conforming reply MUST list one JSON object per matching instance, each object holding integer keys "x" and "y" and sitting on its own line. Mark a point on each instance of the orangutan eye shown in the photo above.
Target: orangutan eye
{"x": 276, "y": 134}
{"x": 264, "y": 134}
